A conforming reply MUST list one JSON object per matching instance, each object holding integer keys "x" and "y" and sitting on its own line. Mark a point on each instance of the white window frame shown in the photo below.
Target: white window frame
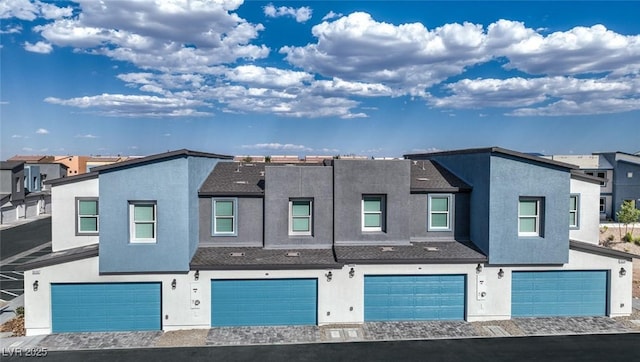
{"x": 576, "y": 211}
{"x": 449, "y": 212}
{"x": 537, "y": 216}
{"x": 310, "y": 217}
{"x": 215, "y": 232}
{"x": 382, "y": 213}
{"x": 132, "y": 222}
{"x": 79, "y": 217}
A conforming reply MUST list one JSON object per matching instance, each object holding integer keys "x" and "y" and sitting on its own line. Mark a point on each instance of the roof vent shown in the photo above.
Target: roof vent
{"x": 431, "y": 248}
{"x": 249, "y": 164}
{"x": 422, "y": 179}
{"x": 292, "y": 254}
{"x": 241, "y": 182}
{"x": 415, "y": 162}
{"x": 236, "y": 254}
{"x": 261, "y": 173}
{"x": 387, "y": 248}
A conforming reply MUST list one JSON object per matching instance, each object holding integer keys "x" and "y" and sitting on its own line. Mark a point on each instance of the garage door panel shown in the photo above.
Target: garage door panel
{"x": 559, "y": 293}
{"x": 264, "y": 302}
{"x": 105, "y": 307}
{"x": 418, "y": 297}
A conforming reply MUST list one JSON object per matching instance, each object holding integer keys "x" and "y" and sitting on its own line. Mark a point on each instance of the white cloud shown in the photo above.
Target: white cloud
{"x": 278, "y": 146}
{"x": 39, "y": 47}
{"x": 16, "y": 136}
{"x": 172, "y": 36}
{"x": 28, "y": 149}
{"x": 120, "y": 105}
{"x": 269, "y": 76}
{"x": 16, "y": 29}
{"x": 86, "y": 136}
{"x": 30, "y": 10}
{"x": 331, "y": 15}
{"x": 42, "y": 131}
{"x": 300, "y": 14}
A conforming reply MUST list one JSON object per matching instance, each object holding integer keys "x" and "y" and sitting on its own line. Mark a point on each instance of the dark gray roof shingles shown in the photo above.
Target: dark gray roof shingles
{"x": 417, "y": 252}
{"x": 429, "y": 176}
{"x": 223, "y": 258}
{"x": 60, "y": 257}
{"x": 234, "y": 178}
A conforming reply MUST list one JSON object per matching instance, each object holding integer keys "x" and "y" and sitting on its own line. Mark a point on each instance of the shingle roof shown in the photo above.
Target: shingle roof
{"x": 10, "y": 165}
{"x": 60, "y": 257}
{"x": 248, "y": 258}
{"x": 234, "y": 178}
{"x": 429, "y": 176}
{"x": 72, "y": 179}
{"x": 418, "y": 252}
{"x": 599, "y": 250}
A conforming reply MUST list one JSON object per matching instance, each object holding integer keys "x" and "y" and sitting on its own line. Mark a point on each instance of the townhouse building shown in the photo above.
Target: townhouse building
{"x": 188, "y": 239}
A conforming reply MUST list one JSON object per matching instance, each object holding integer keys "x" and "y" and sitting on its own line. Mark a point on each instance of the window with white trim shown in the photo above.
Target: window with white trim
{"x": 300, "y": 216}
{"x": 225, "y": 217}
{"x": 529, "y": 216}
{"x": 439, "y": 212}
{"x": 373, "y": 212}
{"x": 574, "y": 203}
{"x": 603, "y": 205}
{"x": 143, "y": 225}
{"x": 87, "y": 219}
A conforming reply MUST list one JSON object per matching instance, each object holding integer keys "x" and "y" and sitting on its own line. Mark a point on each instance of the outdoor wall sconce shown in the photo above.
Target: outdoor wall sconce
{"x": 35, "y": 286}
{"x": 623, "y": 272}
{"x": 500, "y": 273}
{"x": 173, "y": 284}
{"x": 479, "y": 269}
{"x": 352, "y": 273}
{"x": 196, "y": 276}
{"x": 329, "y": 276}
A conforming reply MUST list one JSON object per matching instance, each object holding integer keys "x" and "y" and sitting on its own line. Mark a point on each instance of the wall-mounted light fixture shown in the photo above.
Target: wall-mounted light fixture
{"x": 196, "y": 276}
{"x": 623, "y": 272}
{"x": 479, "y": 269}
{"x": 352, "y": 272}
{"x": 173, "y": 284}
{"x": 329, "y": 276}
{"x": 35, "y": 286}
{"x": 500, "y": 273}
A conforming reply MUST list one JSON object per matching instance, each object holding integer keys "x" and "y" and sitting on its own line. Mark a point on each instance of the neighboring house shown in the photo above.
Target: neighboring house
{"x": 620, "y": 174}
{"x": 192, "y": 240}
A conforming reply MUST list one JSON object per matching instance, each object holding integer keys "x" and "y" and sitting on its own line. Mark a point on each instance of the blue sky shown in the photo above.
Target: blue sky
{"x": 372, "y": 78}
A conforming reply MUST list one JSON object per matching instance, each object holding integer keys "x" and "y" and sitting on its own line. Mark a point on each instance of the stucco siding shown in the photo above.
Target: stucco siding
{"x": 589, "y": 214}
{"x": 511, "y": 180}
{"x": 459, "y": 218}
{"x": 284, "y": 183}
{"x": 165, "y": 183}
{"x": 249, "y": 223}
{"x": 63, "y": 214}
{"x": 199, "y": 169}
{"x": 355, "y": 178}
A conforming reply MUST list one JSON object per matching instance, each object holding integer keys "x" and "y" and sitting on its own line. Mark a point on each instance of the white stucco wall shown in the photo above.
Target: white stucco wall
{"x": 589, "y": 211}
{"x": 340, "y": 301}
{"x": 63, "y": 214}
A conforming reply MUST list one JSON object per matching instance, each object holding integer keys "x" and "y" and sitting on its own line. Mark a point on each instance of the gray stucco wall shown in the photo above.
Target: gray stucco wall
{"x": 626, "y": 188}
{"x": 355, "y": 178}
{"x": 512, "y": 179}
{"x": 249, "y": 223}
{"x": 283, "y": 183}
{"x": 474, "y": 169}
{"x": 6, "y": 182}
{"x": 459, "y": 222}
{"x": 173, "y": 186}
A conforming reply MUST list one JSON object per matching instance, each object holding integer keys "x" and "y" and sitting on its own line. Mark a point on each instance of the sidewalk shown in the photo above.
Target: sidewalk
{"x": 372, "y": 331}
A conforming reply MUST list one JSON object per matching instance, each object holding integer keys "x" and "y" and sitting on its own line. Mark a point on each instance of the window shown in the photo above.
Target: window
{"x": 629, "y": 174}
{"x": 143, "y": 222}
{"x": 574, "y": 202}
{"x": 529, "y": 218}
{"x": 599, "y": 174}
{"x": 373, "y": 214}
{"x": 439, "y": 212}
{"x": 87, "y": 216}
{"x": 224, "y": 217}
{"x": 602, "y": 205}
{"x": 300, "y": 216}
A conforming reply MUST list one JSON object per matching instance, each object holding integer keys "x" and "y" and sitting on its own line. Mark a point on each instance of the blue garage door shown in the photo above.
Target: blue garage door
{"x": 264, "y": 302}
{"x": 559, "y": 293}
{"x": 103, "y": 307}
{"x": 414, "y": 297}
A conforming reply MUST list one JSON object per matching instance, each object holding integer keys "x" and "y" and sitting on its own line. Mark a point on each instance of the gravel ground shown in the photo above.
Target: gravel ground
{"x": 187, "y": 338}
{"x": 627, "y": 321}
{"x": 507, "y": 325}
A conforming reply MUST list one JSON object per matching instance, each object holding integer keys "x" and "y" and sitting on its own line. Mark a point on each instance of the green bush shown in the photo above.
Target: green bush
{"x": 20, "y": 311}
{"x": 627, "y": 238}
